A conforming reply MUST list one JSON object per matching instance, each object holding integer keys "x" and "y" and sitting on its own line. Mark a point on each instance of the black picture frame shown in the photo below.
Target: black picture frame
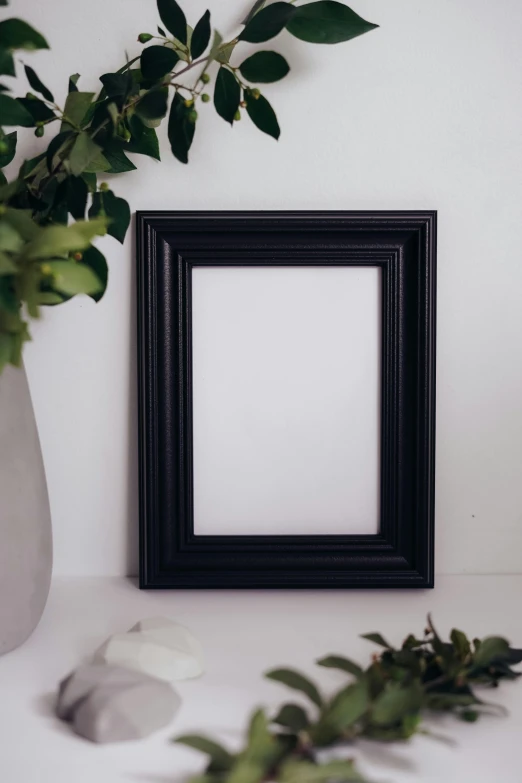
{"x": 403, "y": 245}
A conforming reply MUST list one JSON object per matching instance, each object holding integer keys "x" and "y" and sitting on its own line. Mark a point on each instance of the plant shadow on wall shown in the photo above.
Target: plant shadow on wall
{"x": 44, "y": 258}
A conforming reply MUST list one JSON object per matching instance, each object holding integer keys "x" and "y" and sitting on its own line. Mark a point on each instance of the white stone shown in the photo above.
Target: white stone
{"x": 157, "y": 646}
{"x": 113, "y": 704}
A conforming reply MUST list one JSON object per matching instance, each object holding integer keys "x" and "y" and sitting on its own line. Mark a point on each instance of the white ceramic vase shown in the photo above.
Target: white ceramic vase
{"x": 25, "y": 520}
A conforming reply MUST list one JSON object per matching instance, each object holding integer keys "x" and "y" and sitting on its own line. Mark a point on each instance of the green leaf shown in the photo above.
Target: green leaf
{"x": 268, "y": 23}
{"x": 297, "y": 681}
{"x": 83, "y": 152}
{"x": 117, "y": 159}
{"x": 461, "y": 643}
{"x": 264, "y": 67}
{"x": 227, "y": 94}
{"x": 327, "y": 22}
{"x": 200, "y": 36}
{"x": 57, "y": 144}
{"x": 292, "y": 717}
{"x": 96, "y": 261}
{"x": 22, "y": 221}
{"x": 258, "y": 5}
{"x": 36, "y": 84}
{"x": 118, "y": 211}
{"x": 59, "y": 240}
{"x": 116, "y": 85}
{"x": 39, "y": 111}
{"x": 16, "y": 34}
{"x": 143, "y": 140}
{"x": 307, "y": 772}
{"x": 153, "y": 105}
{"x": 71, "y": 278}
{"x": 395, "y": 703}
{"x": 225, "y": 53}
{"x": 262, "y": 115}
{"x": 344, "y": 664}
{"x": 7, "y": 267}
{"x": 7, "y": 66}
{"x": 181, "y": 129}
{"x": 156, "y": 61}
{"x": 347, "y": 706}
{"x": 162, "y": 32}
{"x": 376, "y": 638}
{"x": 173, "y": 18}
{"x": 76, "y": 196}
{"x": 10, "y": 239}
{"x": 491, "y": 648}
{"x": 76, "y": 107}
{"x": 73, "y": 81}
{"x": 221, "y": 760}
{"x": 12, "y": 112}
{"x": 6, "y": 157}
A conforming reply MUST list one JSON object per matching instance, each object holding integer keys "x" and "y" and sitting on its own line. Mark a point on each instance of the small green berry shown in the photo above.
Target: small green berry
{"x": 205, "y": 97}
{"x": 145, "y": 37}
{"x": 255, "y": 93}
{"x": 31, "y": 96}
{"x": 39, "y": 132}
{"x": 205, "y": 78}
{"x": 189, "y": 102}
{"x": 104, "y": 186}
{"x": 46, "y": 269}
{"x": 237, "y": 116}
{"x": 192, "y": 115}
{"x": 4, "y": 147}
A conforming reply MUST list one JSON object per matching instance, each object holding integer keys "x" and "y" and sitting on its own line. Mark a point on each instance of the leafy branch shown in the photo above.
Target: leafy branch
{"x": 97, "y": 132}
{"x": 385, "y": 702}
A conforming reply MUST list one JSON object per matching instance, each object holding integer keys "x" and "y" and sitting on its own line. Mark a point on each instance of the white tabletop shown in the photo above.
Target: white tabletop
{"x": 244, "y": 634}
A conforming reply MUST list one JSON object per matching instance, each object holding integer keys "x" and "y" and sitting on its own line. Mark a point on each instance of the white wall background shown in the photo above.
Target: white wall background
{"x": 423, "y": 113}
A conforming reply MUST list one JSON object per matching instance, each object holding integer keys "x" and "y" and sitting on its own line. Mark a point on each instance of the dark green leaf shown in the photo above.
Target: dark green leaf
{"x": 307, "y": 772}
{"x": 395, "y": 703}
{"x": 115, "y": 155}
{"x": 221, "y": 759}
{"x": 37, "y": 85}
{"x": 90, "y": 181}
{"x": 143, "y": 140}
{"x": 491, "y": 648}
{"x": 376, "y": 638}
{"x": 76, "y": 194}
{"x": 153, "y": 105}
{"x": 347, "y": 706}
{"x": 116, "y": 84}
{"x": 262, "y": 115}
{"x": 156, "y": 61}
{"x": 39, "y": 111}
{"x": 296, "y": 681}
{"x": 267, "y": 23}
{"x": 76, "y": 107}
{"x": 327, "y": 22}
{"x": 16, "y": 34}
{"x": 460, "y": 643}
{"x": 515, "y": 656}
{"x": 83, "y": 153}
{"x": 181, "y": 129}
{"x": 117, "y": 209}
{"x": 162, "y": 32}
{"x": 7, "y": 66}
{"x": 470, "y": 716}
{"x": 292, "y": 717}
{"x": 71, "y": 278}
{"x": 12, "y": 112}
{"x": 227, "y": 94}
{"x": 173, "y": 18}
{"x": 258, "y": 5}
{"x": 96, "y": 261}
{"x": 56, "y": 144}
{"x": 200, "y": 36}
{"x": 264, "y": 67}
{"x": 344, "y": 664}
{"x": 73, "y": 80}
{"x": 3, "y": 179}
{"x": 6, "y": 157}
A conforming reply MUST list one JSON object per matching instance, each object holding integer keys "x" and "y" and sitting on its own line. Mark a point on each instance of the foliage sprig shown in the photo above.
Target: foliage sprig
{"x": 96, "y": 132}
{"x": 385, "y": 701}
